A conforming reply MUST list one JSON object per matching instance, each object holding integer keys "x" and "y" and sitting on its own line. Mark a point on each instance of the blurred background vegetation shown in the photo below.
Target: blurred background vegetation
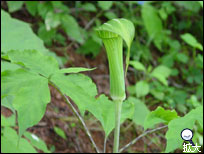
{"x": 166, "y": 67}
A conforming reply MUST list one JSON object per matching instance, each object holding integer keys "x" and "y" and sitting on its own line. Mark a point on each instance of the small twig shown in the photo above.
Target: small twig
{"x": 139, "y": 137}
{"x": 92, "y": 21}
{"x": 78, "y": 116}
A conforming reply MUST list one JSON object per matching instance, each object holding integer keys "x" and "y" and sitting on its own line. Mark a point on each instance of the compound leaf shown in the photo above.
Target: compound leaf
{"x": 30, "y": 96}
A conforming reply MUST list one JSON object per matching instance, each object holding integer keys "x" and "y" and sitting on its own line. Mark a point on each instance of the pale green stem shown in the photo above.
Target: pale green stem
{"x": 118, "y": 108}
{"x": 105, "y": 142}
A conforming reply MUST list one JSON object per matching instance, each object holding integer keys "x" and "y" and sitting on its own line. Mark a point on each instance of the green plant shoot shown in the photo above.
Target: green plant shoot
{"x": 112, "y": 34}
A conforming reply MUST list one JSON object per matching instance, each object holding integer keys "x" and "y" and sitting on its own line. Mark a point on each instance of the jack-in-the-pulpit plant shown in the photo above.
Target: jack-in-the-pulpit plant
{"x": 112, "y": 34}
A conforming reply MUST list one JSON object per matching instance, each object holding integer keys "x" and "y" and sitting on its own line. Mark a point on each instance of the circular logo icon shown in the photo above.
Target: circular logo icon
{"x": 187, "y": 134}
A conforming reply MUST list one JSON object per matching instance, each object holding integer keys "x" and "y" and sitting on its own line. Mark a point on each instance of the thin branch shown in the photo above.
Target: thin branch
{"x": 139, "y": 137}
{"x": 78, "y": 116}
{"x": 92, "y": 20}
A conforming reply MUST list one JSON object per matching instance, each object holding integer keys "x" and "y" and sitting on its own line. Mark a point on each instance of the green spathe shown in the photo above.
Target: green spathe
{"x": 112, "y": 33}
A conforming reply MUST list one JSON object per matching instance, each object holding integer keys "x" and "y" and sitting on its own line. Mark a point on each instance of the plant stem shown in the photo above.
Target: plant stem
{"x": 118, "y": 108}
{"x": 104, "y": 147}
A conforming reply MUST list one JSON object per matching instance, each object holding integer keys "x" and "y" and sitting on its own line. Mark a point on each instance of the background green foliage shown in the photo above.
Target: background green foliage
{"x": 166, "y": 60}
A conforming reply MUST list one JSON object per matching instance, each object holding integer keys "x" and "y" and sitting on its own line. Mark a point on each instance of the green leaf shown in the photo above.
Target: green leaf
{"x": 122, "y": 27}
{"x": 159, "y": 116}
{"x": 182, "y": 58}
{"x": 179, "y": 96}
{"x": 71, "y": 27}
{"x": 153, "y": 24}
{"x": 20, "y": 39}
{"x": 105, "y": 5}
{"x": 30, "y": 96}
{"x": 107, "y": 110}
{"x": 6, "y": 101}
{"x": 35, "y": 61}
{"x": 174, "y": 140}
{"x": 89, "y": 7}
{"x": 161, "y": 73}
{"x": 142, "y": 88}
{"x": 14, "y": 5}
{"x": 60, "y": 132}
{"x": 8, "y": 121}
{"x": 191, "y": 40}
{"x": 157, "y": 94}
{"x": 36, "y": 142}
{"x": 10, "y": 142}
{"x": 110, "y": 15}
{"x": 140, "y": 111}
{"x": 80, "y": 89}
{"x": 138, "y": 66}
{"x": 52, "y": 20}
{"x": 44, "y": 8}
{"x": 163, "y": 14}
{"x": 32, "y": 7}
{"x": 8, "y": 66}
{"x": 46, "y": 36}
{"x": 74, "y": 70}
{"x": 58, "y": 5}
{"x": 84, "y": 82}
